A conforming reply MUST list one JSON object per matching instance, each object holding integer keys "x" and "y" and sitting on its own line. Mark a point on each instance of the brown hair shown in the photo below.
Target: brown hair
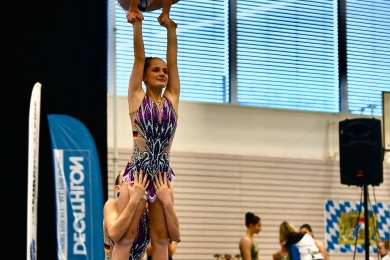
{"x": 251, "y": 218}
{"x": 117, "y": 180}
{"x": 307, "y": 226}
{"x": 386, "y": 243}
{"x": 147, "y": 62}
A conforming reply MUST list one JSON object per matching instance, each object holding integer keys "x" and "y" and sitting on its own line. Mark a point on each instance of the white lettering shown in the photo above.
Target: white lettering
{"x": 62, "y": 243}
{"x": 79, "y": 223}
{"x": 79, "y": 245}
{"x": 77, "y": 198}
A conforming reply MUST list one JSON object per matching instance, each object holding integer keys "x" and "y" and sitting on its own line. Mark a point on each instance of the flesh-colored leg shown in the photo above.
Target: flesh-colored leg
{"x": 158, "y": 231}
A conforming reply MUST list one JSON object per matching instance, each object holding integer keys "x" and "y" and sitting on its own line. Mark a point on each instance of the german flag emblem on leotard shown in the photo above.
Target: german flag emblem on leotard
{"x": 107, "y": 248}
{"x": 135, "y": 135}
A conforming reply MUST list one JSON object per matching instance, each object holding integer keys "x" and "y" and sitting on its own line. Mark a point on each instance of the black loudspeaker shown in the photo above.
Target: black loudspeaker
{"x": 361, "y": 152}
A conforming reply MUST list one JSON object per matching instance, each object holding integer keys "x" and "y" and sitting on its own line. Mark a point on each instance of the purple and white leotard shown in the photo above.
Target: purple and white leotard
{"x": 142, "y": 239}
{"x": 153, "y": 132}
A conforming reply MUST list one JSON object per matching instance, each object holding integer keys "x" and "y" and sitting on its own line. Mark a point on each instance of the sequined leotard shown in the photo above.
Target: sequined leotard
{"x": 254, "y": 251}
{"x": 142, "y": 240}
{"x": 153, "y": 132}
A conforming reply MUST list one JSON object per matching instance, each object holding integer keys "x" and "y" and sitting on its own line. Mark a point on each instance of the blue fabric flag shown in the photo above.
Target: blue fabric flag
{"x": 78, "y": 188}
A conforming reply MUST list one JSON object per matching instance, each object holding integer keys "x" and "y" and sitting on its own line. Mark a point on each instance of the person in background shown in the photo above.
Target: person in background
{"x": 306, "y": 229}
{"x": 299, "y": 246}
{"x": 282, "y": 254}
{"x": 383, "y": 249}
{"x": 248, "y": 245}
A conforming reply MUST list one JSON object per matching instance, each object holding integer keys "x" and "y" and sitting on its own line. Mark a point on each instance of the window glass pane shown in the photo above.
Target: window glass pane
{"x": 368, "y": 58}
{"x": 203, "y": 57}
{"x": 287, "y": 54}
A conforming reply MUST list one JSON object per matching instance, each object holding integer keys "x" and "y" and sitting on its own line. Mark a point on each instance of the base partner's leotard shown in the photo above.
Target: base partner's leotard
{"x": 140, "y": 243}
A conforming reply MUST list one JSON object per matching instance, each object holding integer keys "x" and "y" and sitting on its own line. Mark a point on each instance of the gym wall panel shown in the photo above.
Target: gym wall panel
{"x": 214, "y": 191}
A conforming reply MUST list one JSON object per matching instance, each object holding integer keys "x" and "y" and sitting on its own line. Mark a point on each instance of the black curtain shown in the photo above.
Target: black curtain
{"x": 62, "y": 45}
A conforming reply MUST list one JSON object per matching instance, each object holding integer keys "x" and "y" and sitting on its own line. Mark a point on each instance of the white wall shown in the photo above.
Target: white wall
{"x": 233, "y": 129}
{"x": 279, "y": 164}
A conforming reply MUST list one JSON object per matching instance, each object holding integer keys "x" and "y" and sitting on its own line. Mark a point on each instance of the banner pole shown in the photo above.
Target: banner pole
{"x": 33, "y": 161}
{"x": 112, "y": 82}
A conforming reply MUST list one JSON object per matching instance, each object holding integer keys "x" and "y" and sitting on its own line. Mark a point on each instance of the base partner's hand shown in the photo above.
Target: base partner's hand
{"x": 163, "y": 187}
{"x": 138, "y": 188}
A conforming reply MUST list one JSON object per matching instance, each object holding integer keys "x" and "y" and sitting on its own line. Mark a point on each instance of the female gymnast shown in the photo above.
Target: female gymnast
{"x": 154, "y": 116}
{"x": 249, "y": 248}
{"x": 132, "y": 223}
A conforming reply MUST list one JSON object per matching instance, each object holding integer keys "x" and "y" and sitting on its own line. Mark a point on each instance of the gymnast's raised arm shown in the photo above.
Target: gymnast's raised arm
{"x": 172, "y": 92}
{"x": 135, "y": 91}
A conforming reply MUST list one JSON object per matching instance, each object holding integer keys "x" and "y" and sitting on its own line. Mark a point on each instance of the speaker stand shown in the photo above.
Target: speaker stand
{"x": 366, "y": 225}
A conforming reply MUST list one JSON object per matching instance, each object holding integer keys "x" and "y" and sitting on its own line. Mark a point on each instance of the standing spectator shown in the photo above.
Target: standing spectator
{"x": 282, "y": 254}
{"x": 383, "y": 249}
{"x": 306, "y": 229}
{"x": 249, "y": 247}
{"x": 299, "y": 246}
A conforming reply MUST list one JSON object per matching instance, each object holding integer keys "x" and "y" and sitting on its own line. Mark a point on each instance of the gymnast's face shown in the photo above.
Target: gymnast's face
{"x": 156, "y": 75}
{"x": 281, "y": 242}
{"x": 119, "y": 187}
{"x": 382, "y": 249}
{"x": 256, "y": 227}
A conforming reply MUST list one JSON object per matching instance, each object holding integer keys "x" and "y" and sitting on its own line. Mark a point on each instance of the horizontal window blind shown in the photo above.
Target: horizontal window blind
{"x": 203, "y": 57}
{"x": 287, "y": 54}
{"x": 368, "y": 56}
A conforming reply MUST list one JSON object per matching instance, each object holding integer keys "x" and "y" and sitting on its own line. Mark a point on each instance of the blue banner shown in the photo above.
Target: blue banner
{"x": 78, "y": 188}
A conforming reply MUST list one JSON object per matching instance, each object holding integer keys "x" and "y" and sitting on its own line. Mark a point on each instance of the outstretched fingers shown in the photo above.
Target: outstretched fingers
{"x": 165, "y": 177}
{"x": 145, "y": 181}
{"x": 136, "y": 177}
{"x": 160, "y": 181}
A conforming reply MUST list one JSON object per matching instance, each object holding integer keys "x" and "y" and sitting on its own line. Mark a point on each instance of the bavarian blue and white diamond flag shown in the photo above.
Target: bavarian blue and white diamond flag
{"x": 345, "y": 226}
{"x": 78, "y": 188}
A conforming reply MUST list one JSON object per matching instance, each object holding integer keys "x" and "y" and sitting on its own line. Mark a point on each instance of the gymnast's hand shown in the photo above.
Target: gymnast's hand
{"x": 166, "y": 22}
{"x": 163, "y": 187}
{"x": 137, "y": 190}
{"x": 134, "y": 15}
